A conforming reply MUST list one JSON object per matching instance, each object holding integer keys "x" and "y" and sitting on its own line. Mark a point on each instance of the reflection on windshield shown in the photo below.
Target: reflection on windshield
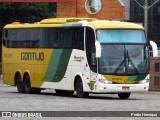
{"x": 123, "y": 59}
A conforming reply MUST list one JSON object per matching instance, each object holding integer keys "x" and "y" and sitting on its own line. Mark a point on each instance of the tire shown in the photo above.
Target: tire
{"x": 64, "y": 92}
{"x": 20, "y": 86}
{"x": 124, "y": 95}
{"x": 27, "y": 84}
{"x": 79, "y": 89}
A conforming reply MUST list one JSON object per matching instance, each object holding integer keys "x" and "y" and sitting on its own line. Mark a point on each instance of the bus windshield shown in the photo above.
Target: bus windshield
{"x": 123, "y": 53}
{"x": 121, "y": 36}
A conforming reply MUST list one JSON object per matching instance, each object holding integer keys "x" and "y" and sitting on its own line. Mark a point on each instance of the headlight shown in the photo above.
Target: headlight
{"x": 144, "y": 81}
{"x": 105, "y": 81}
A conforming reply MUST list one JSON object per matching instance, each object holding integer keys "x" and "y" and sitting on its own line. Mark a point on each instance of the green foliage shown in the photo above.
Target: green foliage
{"x": 25, "y": 12}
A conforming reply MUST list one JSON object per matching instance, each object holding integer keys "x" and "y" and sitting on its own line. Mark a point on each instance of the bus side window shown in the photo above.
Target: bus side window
{"x": 57, "y": 38}
{"x": 81, "y": 37}
{"x": 34, "y": 38}
{"x": 5, "y": 34}
{"x": 55, "y": 41}
{"x": 62, "y": 37}
{"x": 74, "y": 40}
{"x": 51, "y": 38}
{"x": 78, "y": 38}
{"x": 67, "y": 38}
{"x": 90, "y": 49}
{"x": 21, "y": 36}
{"x": 5, "y": 37}
{"x": 13, "y": 38}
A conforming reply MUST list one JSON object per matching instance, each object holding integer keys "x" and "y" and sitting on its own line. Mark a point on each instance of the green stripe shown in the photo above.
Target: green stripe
{"x": 58, "y": 65}
{"x": 137, "y": 78}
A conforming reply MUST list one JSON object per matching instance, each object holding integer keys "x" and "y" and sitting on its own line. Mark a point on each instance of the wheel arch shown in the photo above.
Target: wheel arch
{"x": 76, "y": 78}
{"x": 27, "y": 72}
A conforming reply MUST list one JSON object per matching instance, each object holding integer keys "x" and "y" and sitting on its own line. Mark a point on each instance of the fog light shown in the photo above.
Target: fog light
{"x": 101, "y": 80}
{"x": 101, "y": 88}
{"x": 144, "y": 81}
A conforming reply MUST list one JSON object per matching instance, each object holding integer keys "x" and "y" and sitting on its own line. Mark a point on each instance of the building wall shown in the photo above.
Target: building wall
{"x": 126, "y": 4}
{"x": 66, "y": 9}
{"x": 111, "y": 10}
{"x": 154, "y": 84}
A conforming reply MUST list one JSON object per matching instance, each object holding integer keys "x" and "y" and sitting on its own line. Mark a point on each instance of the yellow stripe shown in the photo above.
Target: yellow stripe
{"x": 77, "y": 60}
{"x": 117, "y": 79}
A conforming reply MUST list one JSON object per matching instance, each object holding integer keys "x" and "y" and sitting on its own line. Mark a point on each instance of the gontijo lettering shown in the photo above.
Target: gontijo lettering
{"x": 32, "y": 56}
{"x": 78, "y": 59}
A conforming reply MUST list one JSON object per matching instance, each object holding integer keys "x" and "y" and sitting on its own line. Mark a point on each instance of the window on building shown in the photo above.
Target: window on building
{"x": 93, "y": 6}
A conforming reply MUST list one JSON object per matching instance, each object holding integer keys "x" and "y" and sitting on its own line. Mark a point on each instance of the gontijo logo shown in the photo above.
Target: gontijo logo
{"x": 78, "y": 59}
{"x": 34, "y": 56}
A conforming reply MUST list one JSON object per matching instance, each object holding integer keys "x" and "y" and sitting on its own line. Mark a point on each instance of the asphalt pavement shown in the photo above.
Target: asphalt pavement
{"x": 149, "y": 92}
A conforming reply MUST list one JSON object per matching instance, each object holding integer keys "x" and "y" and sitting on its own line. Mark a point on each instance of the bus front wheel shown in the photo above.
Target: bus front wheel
{"x": 79, "y": 89}
{"x": 124, "y": 95}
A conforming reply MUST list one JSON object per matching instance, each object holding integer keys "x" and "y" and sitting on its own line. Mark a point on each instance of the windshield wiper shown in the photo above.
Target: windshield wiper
{"x": 124, "y": 61}
{"x": 129, "y": 60}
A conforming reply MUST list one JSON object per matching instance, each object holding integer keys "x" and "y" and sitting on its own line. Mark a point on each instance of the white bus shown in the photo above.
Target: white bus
{"x": 76, "y": 54}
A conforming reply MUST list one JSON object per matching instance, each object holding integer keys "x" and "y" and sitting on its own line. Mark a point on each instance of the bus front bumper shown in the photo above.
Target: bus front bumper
{"x": 121, "y": 88}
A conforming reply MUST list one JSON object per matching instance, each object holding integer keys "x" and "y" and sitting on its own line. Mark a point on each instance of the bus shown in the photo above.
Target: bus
{"x": 82, "y": 55}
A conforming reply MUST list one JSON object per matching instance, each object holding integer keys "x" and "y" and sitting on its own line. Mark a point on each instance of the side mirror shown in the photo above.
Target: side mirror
{"x": 154, "y": 48}
{"x": 98, "y": 49}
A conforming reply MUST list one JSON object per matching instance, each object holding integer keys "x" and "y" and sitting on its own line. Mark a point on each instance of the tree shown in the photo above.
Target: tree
{"x": 25, "y": 12}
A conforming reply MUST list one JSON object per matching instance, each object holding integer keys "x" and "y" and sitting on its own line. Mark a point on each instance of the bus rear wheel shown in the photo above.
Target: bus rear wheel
{"x": 19, "y": 82}
{"x": 124, "y": 95}
{"x": 27, "y": 86}
{"x": 79, "y": 89}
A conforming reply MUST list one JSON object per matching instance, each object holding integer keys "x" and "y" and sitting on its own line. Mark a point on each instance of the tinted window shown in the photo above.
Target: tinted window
{"x": 90, "y": 49}
{"x": 45, "y": 38}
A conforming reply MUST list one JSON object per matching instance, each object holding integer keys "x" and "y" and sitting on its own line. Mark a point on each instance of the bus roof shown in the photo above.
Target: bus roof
{"x": 60, "y": 22}
{"x": 102, "y": 24}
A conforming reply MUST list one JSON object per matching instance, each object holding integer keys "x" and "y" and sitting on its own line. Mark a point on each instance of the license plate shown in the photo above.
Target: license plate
{"x": 125, "y": 88}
